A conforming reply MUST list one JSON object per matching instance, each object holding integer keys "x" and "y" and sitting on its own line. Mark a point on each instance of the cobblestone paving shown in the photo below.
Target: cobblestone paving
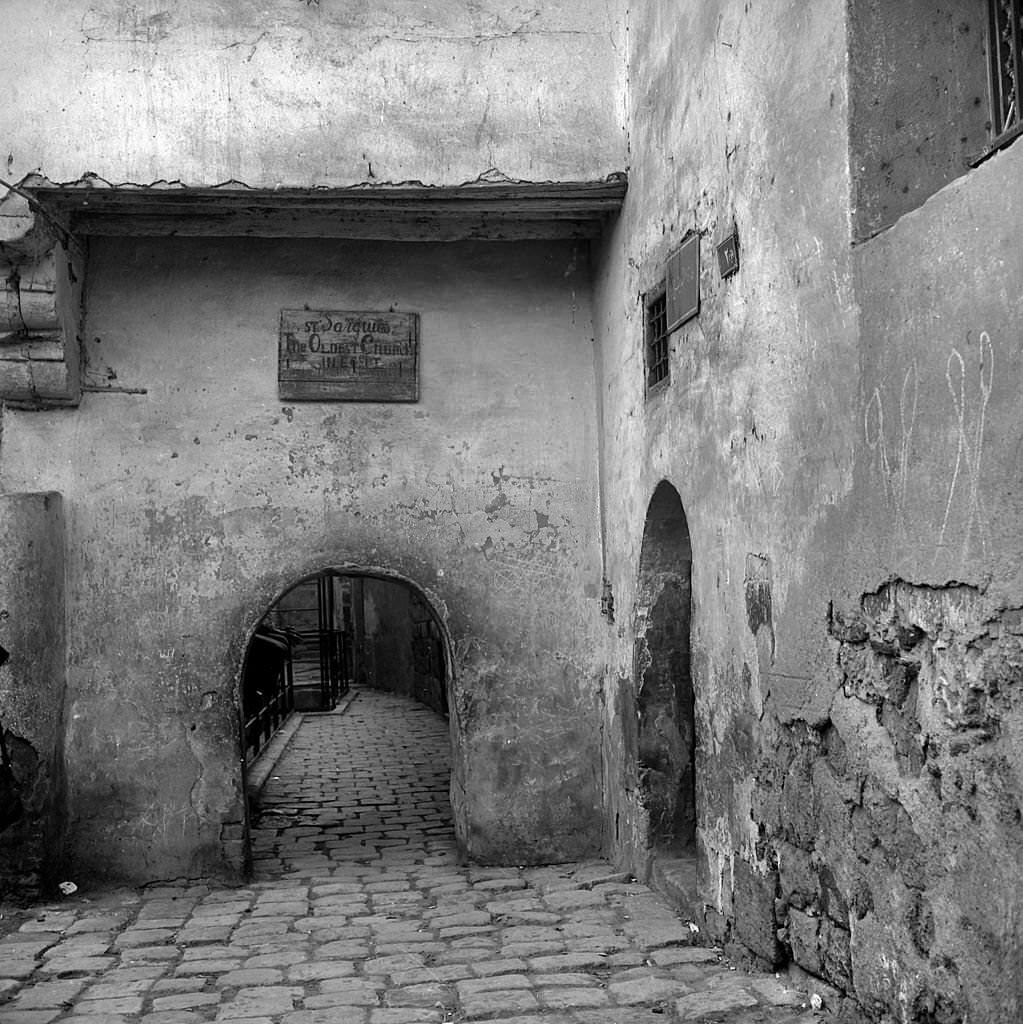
{"x": 359, "y": 913}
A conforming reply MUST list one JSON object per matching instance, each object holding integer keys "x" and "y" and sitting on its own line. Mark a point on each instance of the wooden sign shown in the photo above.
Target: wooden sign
{"x": 331, "y": 355}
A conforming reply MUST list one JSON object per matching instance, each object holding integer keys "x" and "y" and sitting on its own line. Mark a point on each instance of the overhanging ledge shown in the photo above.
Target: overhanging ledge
{"x": 486, "y": 209}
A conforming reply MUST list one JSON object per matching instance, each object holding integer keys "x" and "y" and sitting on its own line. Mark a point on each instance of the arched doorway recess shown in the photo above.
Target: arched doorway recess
{"x": 666, "y": 748}
{"x": 333, "y": 652}
{"x": 334, "y": 629}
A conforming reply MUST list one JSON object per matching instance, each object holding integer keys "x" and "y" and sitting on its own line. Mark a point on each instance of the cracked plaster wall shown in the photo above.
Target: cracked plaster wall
{"x": 928, "y": 707}
{"x": 32, "y": 682}
{"x": 193, "y": 504}
{"x": 299, "y": 94}
{"x": 843, "y": 426}
{"x": 757, "y": 428}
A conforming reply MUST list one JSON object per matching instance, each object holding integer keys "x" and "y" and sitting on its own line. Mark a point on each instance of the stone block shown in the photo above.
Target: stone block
{"x": 474, "y": 986}
{"x": 803, "y": 932}
{"x": 328, "y": 1015}
{"x": 753, "y": 903}
{"x": 127, "y": 1005}
{"x": 799, "y": 883}
{"x": 775, "y": 992}
{"x": 701, "y": 1004}
{"x": 401, "y": 1015}
{"x": 15, "y": 1016}
{"x": 836, "y": 964}
{"x": 645, "y": 987}
{"x": 567, "y": 962}
{"x": 488, "y": 1004}
{"x": 715, "y": 926}
{"x": 797, "y": 807}
{"x": 423, "y": 995}
{"x": 685, "y": 955}
{"x": 186, "y": 1001}
{"x": 567, "y": 998}
{"x": 506, "y": 965}
{"x": 48, "y": 994}
{"x": 833, "y": 901}
{"x": 250, "y": 977}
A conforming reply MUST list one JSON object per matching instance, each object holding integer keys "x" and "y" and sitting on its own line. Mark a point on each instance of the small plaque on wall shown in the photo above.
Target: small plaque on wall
{"x": 728, "y": 254}
{"x": 683, "y": 282}
{"x": 333, "y": 355}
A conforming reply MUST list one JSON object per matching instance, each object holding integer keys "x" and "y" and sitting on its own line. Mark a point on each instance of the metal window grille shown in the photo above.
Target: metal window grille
{"x": 1005, "y": 67}
{"x": 656, "y": 340}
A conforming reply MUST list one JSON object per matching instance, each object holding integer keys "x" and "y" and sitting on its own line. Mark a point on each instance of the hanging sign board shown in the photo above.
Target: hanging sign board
{"x": 335, "y": 355}
{"x": 682, "y": 282}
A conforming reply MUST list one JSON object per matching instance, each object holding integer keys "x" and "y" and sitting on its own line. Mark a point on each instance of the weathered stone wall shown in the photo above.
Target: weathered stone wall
{"x": 32, "y": 680}
{"x": 844, "y": 427}
{"x": 199, "y": 524}
{"x": 197, "y": 497}
{"x": 926, "y": 627}
{"x": 757, "y": 427}
{"x": 302, "y": 94}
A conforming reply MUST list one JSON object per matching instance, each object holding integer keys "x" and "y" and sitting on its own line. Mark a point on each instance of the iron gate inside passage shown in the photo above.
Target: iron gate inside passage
{"x": 299, "y": 658}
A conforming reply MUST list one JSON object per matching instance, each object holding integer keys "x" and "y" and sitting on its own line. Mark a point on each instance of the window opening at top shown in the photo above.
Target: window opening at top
{"x": 1005, "y": 68}
{"x": 657, "y": 368}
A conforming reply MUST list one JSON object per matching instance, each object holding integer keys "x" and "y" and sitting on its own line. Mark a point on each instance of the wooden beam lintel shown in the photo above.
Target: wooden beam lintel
{"x": 518, "y": 210}
{"x": 376, "y": 229}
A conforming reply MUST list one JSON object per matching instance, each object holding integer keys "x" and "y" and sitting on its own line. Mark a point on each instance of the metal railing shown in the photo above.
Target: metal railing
{"x": 268, "y": 688}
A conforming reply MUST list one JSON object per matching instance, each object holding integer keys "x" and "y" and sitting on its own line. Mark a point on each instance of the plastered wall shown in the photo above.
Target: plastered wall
{"x": 927, "y": 725}
{"x": 842, "y": 426}
{"x": 33, "y": 807}
{"x": 757, "y": 429}
{"x": 194, "y": 497}
{"x": 310, "y": 93}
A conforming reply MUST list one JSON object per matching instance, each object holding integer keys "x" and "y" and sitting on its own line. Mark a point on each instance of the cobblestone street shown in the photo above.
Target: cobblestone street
{"x": 359, "y": 913}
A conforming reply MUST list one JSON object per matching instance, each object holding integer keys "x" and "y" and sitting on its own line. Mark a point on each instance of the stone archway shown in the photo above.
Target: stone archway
{"x": 666, "y": 740}
{"x": 368, "y": 614}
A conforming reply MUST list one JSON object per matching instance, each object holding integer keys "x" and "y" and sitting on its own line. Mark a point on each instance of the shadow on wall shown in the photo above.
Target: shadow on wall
{"x": 401, "y": 645}
{"x": 29, "y": 817}
{"x": 11, "y": 807}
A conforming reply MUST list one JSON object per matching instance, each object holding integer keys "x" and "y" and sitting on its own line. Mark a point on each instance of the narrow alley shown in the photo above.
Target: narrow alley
{"x": 360, "y": 913}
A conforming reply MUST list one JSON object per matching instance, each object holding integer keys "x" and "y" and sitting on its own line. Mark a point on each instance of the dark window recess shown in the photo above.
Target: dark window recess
{"x": 656, "y": 340}
{"x": 918, "y": 102}
{"x": 1005, "y": 69}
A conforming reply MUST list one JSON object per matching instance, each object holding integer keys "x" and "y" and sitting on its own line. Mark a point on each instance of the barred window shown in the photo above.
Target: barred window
{"x": 1005, "y": 68}
{"x": 657, "y": 367}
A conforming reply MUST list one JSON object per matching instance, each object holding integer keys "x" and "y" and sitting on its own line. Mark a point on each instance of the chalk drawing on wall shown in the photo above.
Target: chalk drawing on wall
{"x": 892, "y": 459}
{"x": 890, "y": 447}
{"x": 970, "y": 412}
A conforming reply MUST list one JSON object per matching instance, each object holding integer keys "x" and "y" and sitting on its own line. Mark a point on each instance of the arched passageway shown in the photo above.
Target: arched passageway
{"x": 664, "y": 684}
{"x": 344, "y": 719}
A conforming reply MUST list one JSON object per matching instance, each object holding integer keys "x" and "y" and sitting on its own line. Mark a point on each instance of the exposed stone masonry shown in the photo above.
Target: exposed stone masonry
{"x": 929, "y": 818}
